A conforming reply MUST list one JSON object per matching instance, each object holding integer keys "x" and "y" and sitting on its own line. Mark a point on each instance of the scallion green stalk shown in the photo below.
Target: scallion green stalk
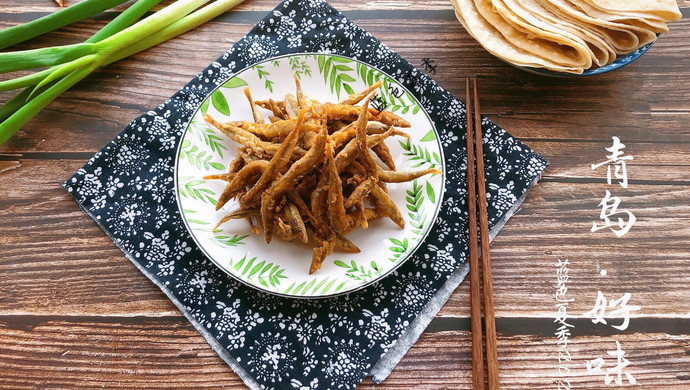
{"x": 74, "y": 62}
{"x": 63, "y": 17}
{"x": 48, "y": 56}
{"x": 181, "y": 26}
{"x": 121, "y": 22}
{"x": 148, "y": 26}
{"x": 124, "y": 20}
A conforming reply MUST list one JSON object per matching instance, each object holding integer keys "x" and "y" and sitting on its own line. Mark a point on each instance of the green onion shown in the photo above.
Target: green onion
{"x": 181, "y": 26}
{"x": 65, "y": 16}
{"x": 36, "y": 58}
{"x": 124, "y": 20}
{"x": 71, "y": 63}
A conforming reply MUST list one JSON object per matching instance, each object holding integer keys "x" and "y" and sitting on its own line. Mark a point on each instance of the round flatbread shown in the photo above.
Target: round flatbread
{"x": 564, "y": 35}
{"x": 532, "y": 26}
{"x": 623, "y": 38}
{"x": 494, "y": 42}
{"x": 636, "y": 19}
{"x": 664, "y": 9}
{"x": 602, "y": 52}
{"x": 552, "y": 51}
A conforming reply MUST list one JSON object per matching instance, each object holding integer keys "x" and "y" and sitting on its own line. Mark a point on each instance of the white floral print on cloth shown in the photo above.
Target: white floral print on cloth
{"x": 274, "y": 342}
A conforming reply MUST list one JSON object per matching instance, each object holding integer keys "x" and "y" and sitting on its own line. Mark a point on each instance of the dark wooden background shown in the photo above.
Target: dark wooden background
{"x": 75, "y": 313}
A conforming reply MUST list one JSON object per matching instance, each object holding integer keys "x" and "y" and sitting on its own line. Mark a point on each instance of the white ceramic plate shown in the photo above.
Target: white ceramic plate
{"x": 281, "y": 267}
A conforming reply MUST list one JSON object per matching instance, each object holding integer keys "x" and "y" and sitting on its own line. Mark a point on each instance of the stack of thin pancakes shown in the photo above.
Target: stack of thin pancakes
{"x": 568, "y": 36}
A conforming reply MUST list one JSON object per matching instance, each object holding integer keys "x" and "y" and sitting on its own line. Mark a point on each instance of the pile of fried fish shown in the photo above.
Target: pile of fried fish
{"x": 309, "y": 173}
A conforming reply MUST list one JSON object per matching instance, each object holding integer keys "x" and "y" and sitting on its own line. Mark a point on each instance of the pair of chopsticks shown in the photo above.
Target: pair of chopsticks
{"x": 475, "y": 150}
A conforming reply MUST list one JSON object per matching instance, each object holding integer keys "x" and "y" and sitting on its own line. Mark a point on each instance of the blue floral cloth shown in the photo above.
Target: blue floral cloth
{"x": 270, "y": 341}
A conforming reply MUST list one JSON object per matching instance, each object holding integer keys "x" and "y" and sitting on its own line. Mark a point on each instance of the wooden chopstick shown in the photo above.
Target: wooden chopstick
{"x": 475, "y": 300}
{"x": 476, "y": 148}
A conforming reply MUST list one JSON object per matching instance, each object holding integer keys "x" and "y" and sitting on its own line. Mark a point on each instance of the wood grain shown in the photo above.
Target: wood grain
{"x": 168, "y": 353}
{"x": 528, "y": 106}
{"x": 74, "y": 312}
{"x": 377, "y": 5}
{"x": 90, "y": 272}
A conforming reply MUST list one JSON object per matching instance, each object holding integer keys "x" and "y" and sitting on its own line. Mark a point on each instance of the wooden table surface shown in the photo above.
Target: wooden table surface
{"x": 74, "y": 312}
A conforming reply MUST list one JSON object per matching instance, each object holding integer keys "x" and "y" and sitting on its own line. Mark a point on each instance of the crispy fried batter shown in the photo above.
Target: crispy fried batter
{"x": 220, "y": 176}
{"x": 245, "y": 177}
{"x": 302, "y": 99}
{"x": 258, "y": 118}
{"x": 336, "y": 209}
{"x": 279, "y": 160}
{"x": 350, "y": 152}
{"x": 275, "y": 130}
{"x": 292, "y": 217}
{"x": 320, "y": 254}
{"x": 342, "y": 244}
{"x": 406, "y": 175}
{"x": 345, "y": 112}
{"x": 384, "y": 154}
{"x": 277, "y": 112}
{"x": 359, "y": 210}
{"x": 237, "y": 214}
{"x": 279, "y": 187}
{"x": 360, "y": 192}
{"x": 388, "y": 118}
{"x": 384, "y": 201}
{"x": 358, "y": 96}
{"x": 308, "y": 174}
{"x": 345, "y": 134}
{"x": 258, "y": 147}
{"x": 291, "y": 106}
{"x": 367, "y": 159}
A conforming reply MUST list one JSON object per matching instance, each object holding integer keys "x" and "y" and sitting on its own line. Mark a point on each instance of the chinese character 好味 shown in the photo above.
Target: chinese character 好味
{"x": 594, "y": 367}
{"x": 599, "y": 310}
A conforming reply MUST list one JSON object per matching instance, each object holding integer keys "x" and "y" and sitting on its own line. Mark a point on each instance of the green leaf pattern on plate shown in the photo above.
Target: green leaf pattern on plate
{"x": 258, "y": 272}
{"x": 335, "y": 73}
{"x": 359, "y": 272}
{"x": 200, "y": 159}
{"x": 316, "y": 286}
{"x": 204, "y": 106}
{"x": 418, "y": 220}
{"x": 188, "y": 187}
{"x": 205, "y": 134}
{"x": 229, "y": 241}
{"x": 220, "y": 103}
{"x": 299, "y": 66}
{"x": 234, "y": 82}
{"x": 372, "y": 75}
{"x": 421, "y": 155}
{"x": 430, "y": 136}
{"x": 263, "y": 75}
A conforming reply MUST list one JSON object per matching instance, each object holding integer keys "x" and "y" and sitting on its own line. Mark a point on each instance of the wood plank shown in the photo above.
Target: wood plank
{"x": 41, "y": 6}
{"x": 11, "y": 6}
{"x": 168, "y": 353}
{"x": 660, "y": 162}
{"x": 94, "y": 111}
{"x": 89, "y": 272}
{"x": 75, "y": 313}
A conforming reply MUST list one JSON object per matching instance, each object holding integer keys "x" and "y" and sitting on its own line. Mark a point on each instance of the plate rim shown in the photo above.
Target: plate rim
{"x": 380, "y": 277}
